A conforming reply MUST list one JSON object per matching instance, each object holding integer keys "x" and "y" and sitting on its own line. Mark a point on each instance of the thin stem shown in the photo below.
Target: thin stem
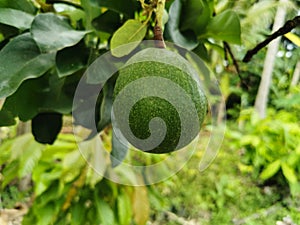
{"x": 158, "y": 29}
{"x": 160, "y": 12}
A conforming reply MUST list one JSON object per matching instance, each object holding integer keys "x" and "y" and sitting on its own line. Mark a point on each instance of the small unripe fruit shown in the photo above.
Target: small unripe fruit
{"x": 159, "y": 106}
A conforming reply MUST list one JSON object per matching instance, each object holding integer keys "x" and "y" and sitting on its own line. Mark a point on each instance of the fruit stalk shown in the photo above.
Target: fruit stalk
{"x": 158, "y": 29}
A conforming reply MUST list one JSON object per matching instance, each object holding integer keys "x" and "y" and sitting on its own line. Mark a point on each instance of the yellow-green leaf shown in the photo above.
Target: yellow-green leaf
{"x": 289, "y": 173}
{"x": 127, "y": 37}
{"x": 270, "y": 170}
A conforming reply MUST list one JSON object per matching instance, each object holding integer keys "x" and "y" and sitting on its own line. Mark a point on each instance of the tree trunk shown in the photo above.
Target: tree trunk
{"x": 296, "y": 75}
{"x": 261, "y": 100}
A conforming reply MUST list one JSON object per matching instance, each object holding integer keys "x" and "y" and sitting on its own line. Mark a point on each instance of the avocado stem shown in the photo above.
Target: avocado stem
{"x": 158, "y": 29}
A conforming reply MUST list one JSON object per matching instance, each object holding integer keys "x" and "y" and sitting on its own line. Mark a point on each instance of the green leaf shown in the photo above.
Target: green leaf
{"x": 10, "y": 172}
{"x": 126, "y": 7}
{"x": 45, "y": 93}
{"x": 78, "y": 212}
{"x": 21, "y": 59}
{"x": 186, "y": 40}
{"x": 124, "y": 208}
{"x": 45, "y": 214}
{"x": 52, "y": 33}
{"x": 108, "y": 22}
{"x": 71, "y": 59}
{"x": 7, "y": 32}
{"x": 46, "y": 126}
{"x": 31, "y": 154}
{"x": 225, "y": 27}
{"x": 133, "y": 31}
{"x": 104, "y": 212}
{"x": 6, "y": 118}
{"x": 24, "y": 5}
{"x": 119, "y": 149}
{"x": 16, "y": 18}
{"x": 289, "y": 173}
{"x": 270, "y": 170}
{"x": 202, "y": 52}
{"x": 195, "y": 15}
{"x": 106, "y": 105}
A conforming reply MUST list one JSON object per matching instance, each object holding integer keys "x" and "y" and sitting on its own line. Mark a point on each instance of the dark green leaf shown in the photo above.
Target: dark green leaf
{"x": 133, "y": 32}
{"x": 85, "y": 107}
{"x": 226, "y": 27}
{"x": 46, "y": 126}
{"x": 21, "y": 59}
{"x": 16, "y": 18}
{"x": 24, "y": 5}
{"x": 52, "y": 33}
{"x": 195, "y": 15}
{"x": 6, "y": 118}
{"x": 106, "y": 105}
{"x": 108, "y": 22}
{"x": 119, "y": 149}
{"x": 39, "y": 95}
{"x": 201, "y": 51}
{"x": 172, "y": 32}
{"x": 7, "y": 32}
{"x": 127, "y": 7}
{"x": 71, "y": 59}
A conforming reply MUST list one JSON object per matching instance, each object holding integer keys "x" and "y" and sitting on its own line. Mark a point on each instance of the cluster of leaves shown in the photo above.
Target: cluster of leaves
{"x": 46, "y": 47}
{"x": 271, "y": 146}
{"x": 66, "y": 189}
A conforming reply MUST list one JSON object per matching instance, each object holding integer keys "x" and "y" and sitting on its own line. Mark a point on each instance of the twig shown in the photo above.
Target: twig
{"x": 228, "y": 50}
{"x": 287, "y": 27}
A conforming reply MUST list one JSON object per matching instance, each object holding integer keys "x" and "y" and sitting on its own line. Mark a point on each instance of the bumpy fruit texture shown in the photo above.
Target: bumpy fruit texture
{"x": 162, "y": 66}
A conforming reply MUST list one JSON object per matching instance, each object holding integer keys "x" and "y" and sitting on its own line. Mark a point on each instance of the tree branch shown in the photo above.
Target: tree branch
{"x": 287, "y": 27}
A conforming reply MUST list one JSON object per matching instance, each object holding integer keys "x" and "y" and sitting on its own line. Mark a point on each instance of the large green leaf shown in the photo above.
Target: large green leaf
{"x": 24, "y": 5}
{"x": 71, "y": 59}
{"x": 133, "y": 31}
{"x": 52, "y": 33}
{"x": 225, "y": 27}
{"x": 21, "y": 59}
{"x": 16, "y": 18}
{"x": 195, "y": 15}
{"x": 43, "y": 94}
{"x": 126, "y": 7}
{"x": 6, "y": 118}
{"x": 108, "y": 22}
{"x": 46, "y": 126}
{"x": 172, "y": 32}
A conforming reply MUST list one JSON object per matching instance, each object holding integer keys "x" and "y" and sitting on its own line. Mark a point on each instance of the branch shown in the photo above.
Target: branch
{"x": 228, "y": 50}
{"x": 287, "y": 27}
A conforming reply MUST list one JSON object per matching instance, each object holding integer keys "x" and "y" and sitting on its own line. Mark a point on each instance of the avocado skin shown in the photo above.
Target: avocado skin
{"x": 145, "y": 64}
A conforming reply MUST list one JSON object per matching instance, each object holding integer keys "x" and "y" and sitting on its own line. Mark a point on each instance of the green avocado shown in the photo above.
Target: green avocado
{"x": 159, "y": 106}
